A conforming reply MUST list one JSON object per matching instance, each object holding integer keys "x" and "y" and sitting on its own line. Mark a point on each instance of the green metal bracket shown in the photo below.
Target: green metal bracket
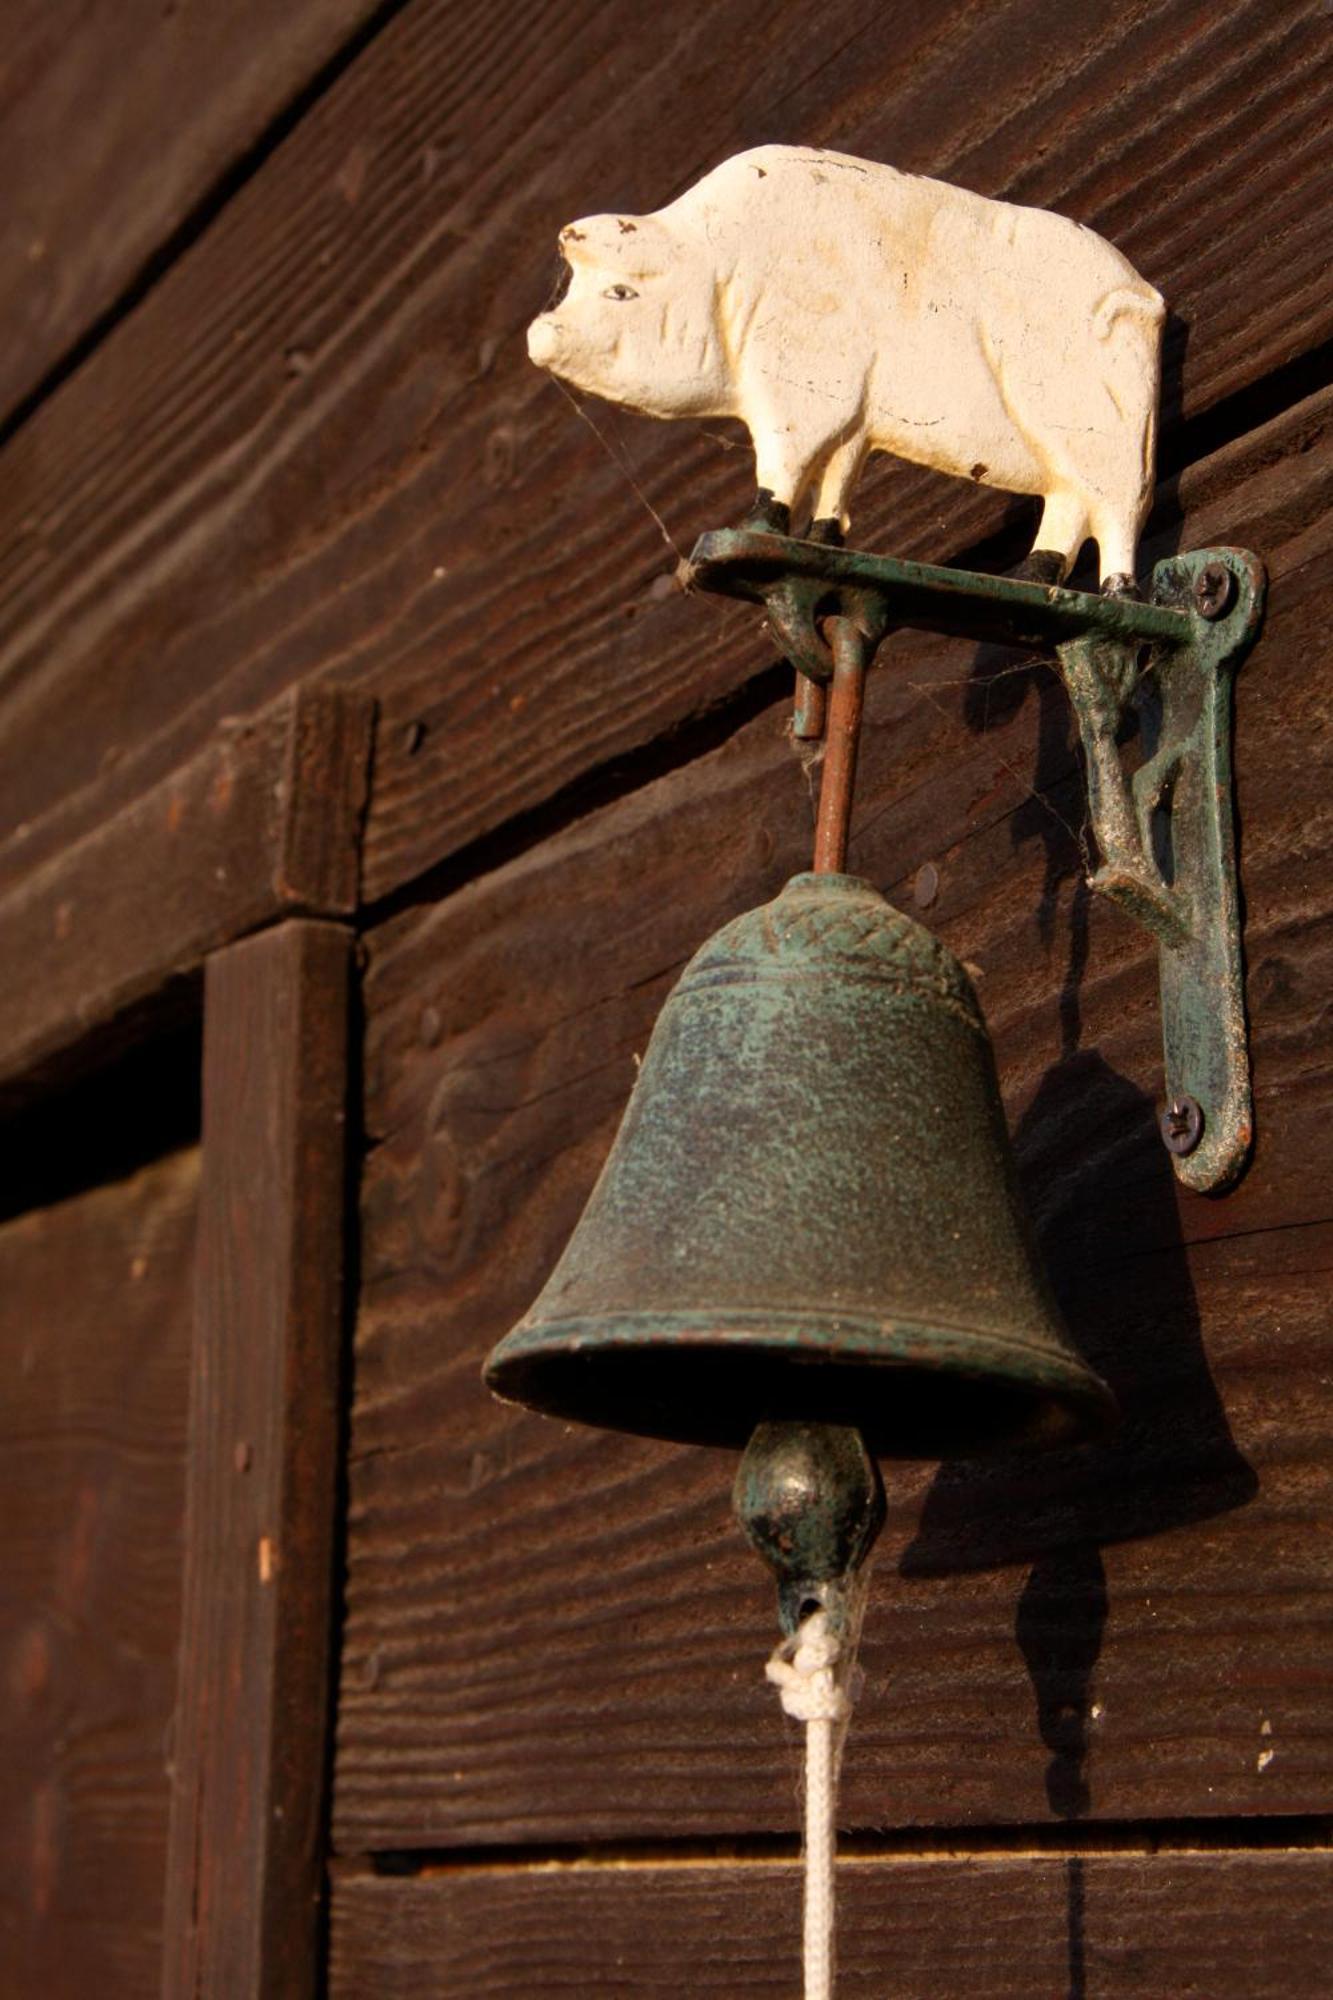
{"x": 1165, "y": 831}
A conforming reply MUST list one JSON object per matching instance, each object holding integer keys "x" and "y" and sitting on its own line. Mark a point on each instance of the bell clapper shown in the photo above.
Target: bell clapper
{"x": 811, "y": 1502}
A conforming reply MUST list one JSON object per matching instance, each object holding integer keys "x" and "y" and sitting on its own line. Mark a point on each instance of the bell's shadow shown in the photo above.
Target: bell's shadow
{"x": 1109, "y": 1237}
{"x": 1100, "y": 1188}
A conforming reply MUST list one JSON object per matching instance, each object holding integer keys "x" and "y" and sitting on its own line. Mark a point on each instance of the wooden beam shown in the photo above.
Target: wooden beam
{"x": 98, "y": 181}
{"x": 244, "y": 1861}
{"x": 263, "y": 823}
{"x": 981, "y": 1927}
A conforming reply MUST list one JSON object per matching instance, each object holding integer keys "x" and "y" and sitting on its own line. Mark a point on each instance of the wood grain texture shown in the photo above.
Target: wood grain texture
{"x": 265, "y": 822}
{"x": 114, "y": 123}
{"x": 244, "y": 1866}
{"x": 319, "y": 449}
{"x": 95, "y": 1302}
{"x": 554, "y": 1634}
{"x": 1100, "y": 1927}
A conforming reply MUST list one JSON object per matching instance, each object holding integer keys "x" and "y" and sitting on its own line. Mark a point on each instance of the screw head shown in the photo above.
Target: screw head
{"x": 1214, "y": 590}
{"x": 1182, "y": 1124}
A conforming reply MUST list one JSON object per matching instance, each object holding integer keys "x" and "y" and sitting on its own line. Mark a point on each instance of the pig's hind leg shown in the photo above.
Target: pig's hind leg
{"x": 1060, "y": 535}
{"x": 1095, "y": 461}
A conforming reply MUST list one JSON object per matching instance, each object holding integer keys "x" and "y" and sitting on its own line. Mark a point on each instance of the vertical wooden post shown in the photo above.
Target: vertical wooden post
{"x": 244, "y": 1868}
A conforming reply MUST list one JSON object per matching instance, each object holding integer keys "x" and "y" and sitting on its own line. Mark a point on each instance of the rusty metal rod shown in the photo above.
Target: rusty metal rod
{"x": 810, "y": 711}
{"x": 843, "y": 729}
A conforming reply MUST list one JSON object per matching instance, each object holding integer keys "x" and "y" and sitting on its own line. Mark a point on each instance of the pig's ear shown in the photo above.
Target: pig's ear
{"x": 579, "y": 241}
{"x": 633, "y": 246}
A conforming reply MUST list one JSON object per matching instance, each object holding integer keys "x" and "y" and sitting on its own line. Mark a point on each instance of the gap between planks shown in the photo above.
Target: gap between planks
{"x": 1286, "y": 1834}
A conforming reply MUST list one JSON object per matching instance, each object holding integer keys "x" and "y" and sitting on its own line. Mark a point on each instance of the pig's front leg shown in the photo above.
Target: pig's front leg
{"x": 788, "y": 447}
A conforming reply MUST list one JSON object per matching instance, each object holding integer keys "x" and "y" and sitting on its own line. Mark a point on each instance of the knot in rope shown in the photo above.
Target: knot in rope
{"x": 804, "y": 1671}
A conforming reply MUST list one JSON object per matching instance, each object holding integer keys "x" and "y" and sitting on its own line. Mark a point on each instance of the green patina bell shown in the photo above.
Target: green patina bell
{"x": 810, "y": 1211}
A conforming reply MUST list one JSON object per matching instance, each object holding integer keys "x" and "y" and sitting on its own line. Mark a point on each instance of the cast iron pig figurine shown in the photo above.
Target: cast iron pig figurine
{"x": 838, "y": 307}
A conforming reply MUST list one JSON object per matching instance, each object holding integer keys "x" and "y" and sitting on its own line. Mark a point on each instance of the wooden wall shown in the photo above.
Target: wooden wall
{"x": 94, "y": 1340}
{"x": 267, "y": 425}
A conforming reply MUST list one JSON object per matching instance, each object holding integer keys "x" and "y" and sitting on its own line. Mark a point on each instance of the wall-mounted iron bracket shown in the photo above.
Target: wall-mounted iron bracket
{"x": 1164, "y": 831}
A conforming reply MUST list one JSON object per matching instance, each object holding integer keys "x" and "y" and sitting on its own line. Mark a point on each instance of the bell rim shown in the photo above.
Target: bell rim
{"x": 851, "y": 1343}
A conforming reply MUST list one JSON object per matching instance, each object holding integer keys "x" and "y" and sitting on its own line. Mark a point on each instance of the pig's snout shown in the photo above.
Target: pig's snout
{"x": 544, "y": 340}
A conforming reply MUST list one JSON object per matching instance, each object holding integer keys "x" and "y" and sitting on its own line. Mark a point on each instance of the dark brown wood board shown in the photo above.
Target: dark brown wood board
{"x": 243, "y": 1875}
{"x": 554, "y": 1634}
{"x": 283, "y": 462}
{"x": 1001, "y": 1927}
{"x": 318, "y": 448}
{"x": 265, "y": 822}
{"x": 115, "y": 124}
{"x": 95, "y": 1306}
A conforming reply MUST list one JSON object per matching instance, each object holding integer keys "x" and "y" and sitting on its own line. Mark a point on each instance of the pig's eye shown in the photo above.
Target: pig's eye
{"x": 620, "y": 292}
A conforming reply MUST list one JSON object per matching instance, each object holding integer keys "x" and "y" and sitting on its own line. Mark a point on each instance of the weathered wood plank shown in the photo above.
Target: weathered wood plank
{"x": 96, "y": 180}
{"x": 263, "y": 823}
{"x": 244, "y": 1867}
{"x": 575, "y": 1649}
{"x": 319, "y": 447}
{"x": 1001, "y": 1927}
{"x": 95, "y": 1298}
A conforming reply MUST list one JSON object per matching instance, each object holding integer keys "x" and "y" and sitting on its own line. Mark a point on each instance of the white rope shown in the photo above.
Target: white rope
{"x": 814, "y": 1672}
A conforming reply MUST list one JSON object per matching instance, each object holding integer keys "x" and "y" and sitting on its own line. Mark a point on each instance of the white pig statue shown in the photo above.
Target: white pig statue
{"x": 838, "y": 307}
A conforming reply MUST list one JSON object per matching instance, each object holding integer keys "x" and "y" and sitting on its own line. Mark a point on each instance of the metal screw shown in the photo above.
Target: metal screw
{"x": 1214, "y": 588}
{"x": 1182, "y": 1124}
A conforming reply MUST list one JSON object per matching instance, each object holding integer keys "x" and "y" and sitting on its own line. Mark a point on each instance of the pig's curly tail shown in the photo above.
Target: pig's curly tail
{"x": 1126, "y": 299}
